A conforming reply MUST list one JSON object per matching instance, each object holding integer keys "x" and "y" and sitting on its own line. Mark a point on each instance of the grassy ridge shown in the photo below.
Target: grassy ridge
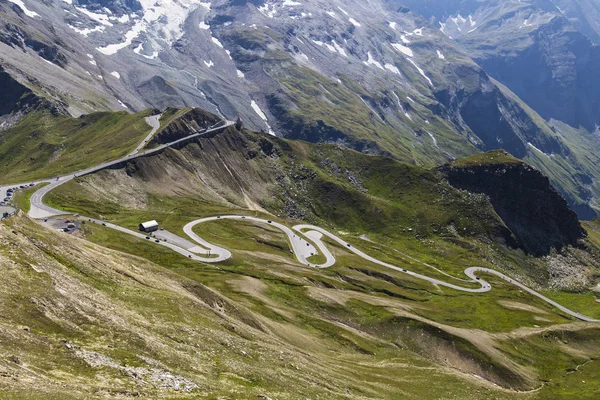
{"x": 43, "y": 145}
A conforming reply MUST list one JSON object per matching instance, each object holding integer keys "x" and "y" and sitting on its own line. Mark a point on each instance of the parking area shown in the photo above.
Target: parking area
{"x": 173, "y": 238}
{"x": 63, "y": 224}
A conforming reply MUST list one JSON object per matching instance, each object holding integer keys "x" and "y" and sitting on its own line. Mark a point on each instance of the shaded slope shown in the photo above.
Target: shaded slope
{"x": 529, "y": 206}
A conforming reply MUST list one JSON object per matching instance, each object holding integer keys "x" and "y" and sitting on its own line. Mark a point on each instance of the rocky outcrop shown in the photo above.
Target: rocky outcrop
{"x": 524, "y": 199}
{"x": 190, "y": 122}
{"x": 17, "y": 37}
{"x": 14, "y": 96}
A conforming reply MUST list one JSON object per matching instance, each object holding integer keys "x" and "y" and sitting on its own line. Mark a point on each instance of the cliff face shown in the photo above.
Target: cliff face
{"x": 14, "y": 95}
{"x": 530, "y": 207}
{"x": 185, "y": 124}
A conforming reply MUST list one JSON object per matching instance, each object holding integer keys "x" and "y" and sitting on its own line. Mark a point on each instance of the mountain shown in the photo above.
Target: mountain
{"x": 349, "y": 199}
{"x": 533, "y": 48}
{"x": 262, "y": 311}
{"x": 374, "y": 76}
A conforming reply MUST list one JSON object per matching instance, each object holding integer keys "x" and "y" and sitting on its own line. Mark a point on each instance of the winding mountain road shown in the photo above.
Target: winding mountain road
{"x": 40, "y": 210}
{"x": 306, "y": 240}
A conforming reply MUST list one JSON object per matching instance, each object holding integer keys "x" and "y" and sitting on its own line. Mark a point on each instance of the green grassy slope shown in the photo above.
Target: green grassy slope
{"x": 43, "y": 145}
{"x": 260, "y": 323}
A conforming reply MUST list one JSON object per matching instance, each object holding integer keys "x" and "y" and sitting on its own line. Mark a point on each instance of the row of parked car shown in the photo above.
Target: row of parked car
{"x": 10, "y": 192}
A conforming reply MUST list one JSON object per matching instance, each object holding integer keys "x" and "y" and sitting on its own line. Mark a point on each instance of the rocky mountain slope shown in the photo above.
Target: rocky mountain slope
{"x": 535, "y": 49}
{"x": 373, "y": 76}
{"x": 539, "y": 218}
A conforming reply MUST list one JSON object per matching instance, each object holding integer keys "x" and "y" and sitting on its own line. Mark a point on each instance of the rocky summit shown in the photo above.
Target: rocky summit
{"x": 284, "y": 199}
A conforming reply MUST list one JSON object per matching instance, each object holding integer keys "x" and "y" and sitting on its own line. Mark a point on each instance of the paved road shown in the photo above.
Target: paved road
{"x": 302, "y": 238}
{"x": 40, "y": 210}
{"x": 154, "y": 122}
{"x": 303, "y": 249}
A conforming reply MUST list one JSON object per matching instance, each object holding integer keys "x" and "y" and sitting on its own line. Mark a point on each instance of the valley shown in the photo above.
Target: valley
{"x": 275, "y": 199}
{"x": 415, "y": 286}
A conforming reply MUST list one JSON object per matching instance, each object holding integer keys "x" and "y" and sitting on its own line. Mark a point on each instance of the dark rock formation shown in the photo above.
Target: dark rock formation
{"x": 14, "y": 95}
{"x": 187, "y": 124}
{"x": 14, "y": 36}
{"x": 524, "y": 199}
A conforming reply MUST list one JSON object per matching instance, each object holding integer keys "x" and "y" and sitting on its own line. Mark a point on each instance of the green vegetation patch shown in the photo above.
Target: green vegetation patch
{"x": 44, "y": 145}
{"x": 496, "y": 157}
{"x": 22, "y": 197}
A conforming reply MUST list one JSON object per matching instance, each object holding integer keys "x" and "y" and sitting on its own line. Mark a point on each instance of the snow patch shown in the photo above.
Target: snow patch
{"x": 538, "y": 150}
{"x": 435, "y": 142}
{"x": 140, "y": 48}
{"x": 262, "y": 115}
{"x": 116, "y": 74}
{"x": 87, "y": 31}
{"x": 27, "y": 11}
{"x": 372, "y": 61}
{"x": 344, "y": 11}
{"x": 403, "y": 49}
{"x": 339, "y": 49}
{"x": 421, "y": 71}
{"x": 129, "y": 37}
{"x": 217, "y": 42}
{"x": 354, "y": 22}
{"x": 100, "y": 18}
{"x": 441, "y": 55}
{"x": 392, "y": 68}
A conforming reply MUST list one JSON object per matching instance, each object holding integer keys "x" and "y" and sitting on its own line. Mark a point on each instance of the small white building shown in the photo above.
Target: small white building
{"x": 150, "y": 226}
